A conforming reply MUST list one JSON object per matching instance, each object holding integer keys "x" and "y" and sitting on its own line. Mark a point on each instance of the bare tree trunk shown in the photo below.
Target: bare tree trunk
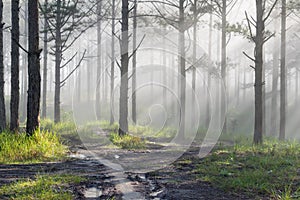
{"x": 134, "y": 63}
{"x": 224, "y": 61}
{"x": 259, "y": 40}
{"x": 15, "y": 62}
{"x": 2, "y": 99}
{"x": 58, "y": 57}
{"x": 283, "y": 73}
{"x": 34, "y": 90}
{"x": 209, "y": 69}
{"x": 182, "y": 74}
{"x": 123, "y": 121}
{"x": 99, "y": 67}
{"x": 112, "y": 70}
{"x": 25, "y": 65}
{"x": 44, "y": 104}
{"x": 274, "y": 112}
{"x": 194, "y": 62}
{"x": 79, "y": 86}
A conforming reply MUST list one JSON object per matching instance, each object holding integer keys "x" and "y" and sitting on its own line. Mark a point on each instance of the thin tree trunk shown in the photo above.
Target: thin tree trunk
{"x": 25, "y": 72}
{"x": 123, "y": 121}
{"x": 34, "y": 90}
{"x": 193, "y": 116}
{"x": 209, "y": 66}
{"x": 112, "y": 70}
{"x": 224, "y": 62}
{"x": 258, "y": 126}
{"x": 274, "y": 112}
{"x": 15, "y": 62}
{"x": 134, "y": 63}
{"x": 44, "y": 104}
{"x": 2, "y": 99}
{"x": 283, "y": 73}
{"x": 99, "y": 67}
{"x": 58, "y": 57}
{"x": 182, "y": 74}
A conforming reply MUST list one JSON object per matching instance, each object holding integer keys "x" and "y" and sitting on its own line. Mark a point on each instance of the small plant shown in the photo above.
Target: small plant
{"x": 46, "y": 187}
{"x": 127, "y": 141}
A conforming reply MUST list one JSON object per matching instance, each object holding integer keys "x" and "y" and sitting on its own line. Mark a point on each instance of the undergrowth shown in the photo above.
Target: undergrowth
{"x": 40, "y": 147}
{"x": 127, "y": 141}
{"x": 43, "y": 187}
{"x": 271, "y": 169}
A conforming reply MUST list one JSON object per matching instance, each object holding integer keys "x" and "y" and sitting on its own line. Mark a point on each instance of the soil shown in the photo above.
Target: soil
{"x": 173, "y": 182}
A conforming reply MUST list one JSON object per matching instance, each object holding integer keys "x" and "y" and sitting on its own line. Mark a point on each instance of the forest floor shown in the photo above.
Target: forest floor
{"x": 100, "y": 182}
{"x": 189, "y": 177}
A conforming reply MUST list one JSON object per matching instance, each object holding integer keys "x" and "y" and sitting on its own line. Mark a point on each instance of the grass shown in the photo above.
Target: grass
{"x": 128, "y": 142}
{"x": 42, "y": 146}
{"x": 271, "y": 169}
{"x": 46, "y": 187}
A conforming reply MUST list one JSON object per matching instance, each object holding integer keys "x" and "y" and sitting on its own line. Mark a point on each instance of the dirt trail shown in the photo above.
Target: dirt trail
{"x": 173, "y": 182}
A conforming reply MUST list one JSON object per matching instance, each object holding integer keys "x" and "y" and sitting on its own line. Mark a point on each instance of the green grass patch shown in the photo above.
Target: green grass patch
{"x": 127, "y": 141}
{"x": 40, "y": 147}
{"x": 46, "y": 187}
{"x": 270, "y": 169}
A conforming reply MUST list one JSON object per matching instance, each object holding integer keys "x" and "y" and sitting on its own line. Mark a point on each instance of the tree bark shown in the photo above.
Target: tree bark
{"x": 99, "y": 67}
{"x": 15, "y": 62}
{"x": 112, "y": 69}
{"x": 209, "y": 68}
{"x": 134, "y": 63}
{"x": 25, "y": 65}
{"x": 123, "y": 121}
{"x": 259, "y": 40}
{"x": 182, "y": 78}
{"x": 224, "y": 62}
{"x": 2, "y": 99}
{"x": 283, "y": 73}
{"x": 194, "y": 62}
{"x": 45, "y": 73}
{"x": 274, "y": 112}
{"x": 58, "y": 57}
{"x": 34, "y": 89}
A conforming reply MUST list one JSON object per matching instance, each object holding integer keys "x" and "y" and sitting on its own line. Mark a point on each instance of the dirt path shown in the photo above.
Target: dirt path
{"x": 176, "y": 181}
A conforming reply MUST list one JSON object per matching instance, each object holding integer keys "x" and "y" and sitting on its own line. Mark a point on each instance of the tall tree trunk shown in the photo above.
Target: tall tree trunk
{"x": 224, "y": 61}
{"x": 58, "y": 57}
{"x": 15, "y": 62}
{"x": 193, "y": 116}
{"x": 209, "y": 69}
{"x": 99, "y": 67}
{"x": 34, "y": 90}
{"x": 182, "y": 78}
{"x": 2, "y": 99}
{"x": 112, "y": 69}
{"x": 283, "y": 73}
{"x": 46, "y": 27}
{"x": 274, "y": 103}
{"x": 134, "y": 63}
{"x": 25, "y": 65}
{"x": 259, "y": 40}
{"x": 123, "y": 121}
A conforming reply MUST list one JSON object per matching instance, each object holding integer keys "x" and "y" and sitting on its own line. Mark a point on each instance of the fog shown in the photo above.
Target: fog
{"x": 157, "y": 72}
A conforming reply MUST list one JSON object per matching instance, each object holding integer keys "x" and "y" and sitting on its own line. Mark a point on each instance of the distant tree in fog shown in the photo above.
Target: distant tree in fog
{"x": 67, "y": 21}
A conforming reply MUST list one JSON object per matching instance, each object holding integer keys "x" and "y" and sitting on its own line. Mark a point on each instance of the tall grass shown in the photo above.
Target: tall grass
{"x": 45, "y": 186}
{"x": 41, "y": 146}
